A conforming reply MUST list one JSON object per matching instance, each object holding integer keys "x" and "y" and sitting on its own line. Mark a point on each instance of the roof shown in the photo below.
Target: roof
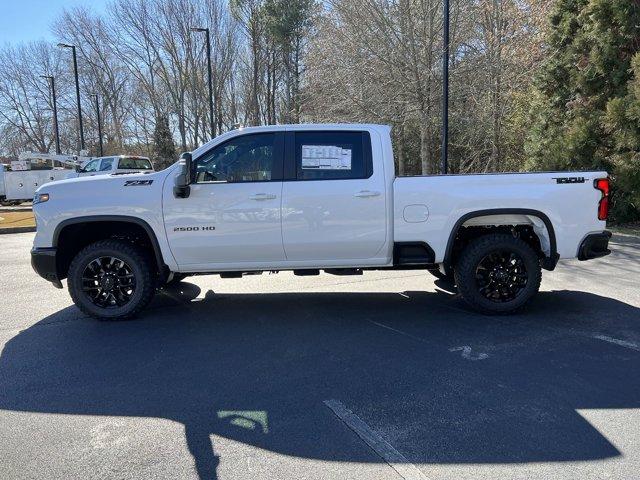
{"x": 290, "y": 127}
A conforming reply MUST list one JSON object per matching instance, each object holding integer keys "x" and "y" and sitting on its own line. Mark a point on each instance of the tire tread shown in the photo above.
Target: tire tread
{"x": 473, "y": 253}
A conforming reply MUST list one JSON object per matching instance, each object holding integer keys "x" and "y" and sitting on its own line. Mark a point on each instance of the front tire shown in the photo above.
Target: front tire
{"x": 111, "y": 280}
{"x": 498, "y": 274}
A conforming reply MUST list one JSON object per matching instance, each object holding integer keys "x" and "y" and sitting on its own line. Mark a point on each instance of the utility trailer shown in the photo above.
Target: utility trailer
{"x": 19, "y": 184}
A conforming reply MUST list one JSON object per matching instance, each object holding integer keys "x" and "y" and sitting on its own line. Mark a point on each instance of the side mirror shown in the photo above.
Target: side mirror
{"x": 181, "y": 187}
{"x": 78, "y": 168}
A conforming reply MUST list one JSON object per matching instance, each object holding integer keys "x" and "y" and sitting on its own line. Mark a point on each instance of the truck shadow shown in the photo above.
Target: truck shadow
{"x": 257, "y": 369}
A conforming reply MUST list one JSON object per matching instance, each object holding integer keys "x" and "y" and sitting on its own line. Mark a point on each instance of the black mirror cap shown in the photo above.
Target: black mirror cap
{"x": 188, "y": 163}
{"x": 181, "y": 187}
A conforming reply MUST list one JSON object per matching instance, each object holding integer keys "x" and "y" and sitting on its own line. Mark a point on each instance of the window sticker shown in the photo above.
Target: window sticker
{"x": 325, "y": 157}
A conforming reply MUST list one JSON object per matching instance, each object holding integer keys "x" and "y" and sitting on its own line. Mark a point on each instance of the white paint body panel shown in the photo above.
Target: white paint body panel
{"x": 104, "y": 195}
{"x": 572, "y": 208}
{"x": 246, "y": 230}
{"x": 321, "y": 224}
{"x": 341, "y": 220}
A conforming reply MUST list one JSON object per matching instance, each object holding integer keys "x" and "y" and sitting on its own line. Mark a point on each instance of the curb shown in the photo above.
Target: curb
{"x": 625, "y": 239}
{"x": 16, "y": 209}
{"x": 17, "y": 230}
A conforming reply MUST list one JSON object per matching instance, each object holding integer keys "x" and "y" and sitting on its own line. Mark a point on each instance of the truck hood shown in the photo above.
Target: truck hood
{"x": 136, "y": 195}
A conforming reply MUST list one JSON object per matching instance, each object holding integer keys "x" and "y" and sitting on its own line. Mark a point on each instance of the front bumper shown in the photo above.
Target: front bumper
{"x": 43, "y": 261}
{"x": 595, "y": 245}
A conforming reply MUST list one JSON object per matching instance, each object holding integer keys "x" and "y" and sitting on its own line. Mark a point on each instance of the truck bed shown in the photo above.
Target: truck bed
{"x": 568, "y": 199}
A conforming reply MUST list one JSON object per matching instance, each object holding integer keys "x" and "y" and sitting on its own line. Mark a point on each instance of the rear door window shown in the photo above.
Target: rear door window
{"x": 332, "y": 155}
{"x": 106, "y": 164}
{"x": 132, "y": 163}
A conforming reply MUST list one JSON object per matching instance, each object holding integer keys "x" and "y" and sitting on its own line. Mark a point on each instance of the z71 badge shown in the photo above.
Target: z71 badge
{"x": 566, "y": 180}
{"x": 137, "y": 183}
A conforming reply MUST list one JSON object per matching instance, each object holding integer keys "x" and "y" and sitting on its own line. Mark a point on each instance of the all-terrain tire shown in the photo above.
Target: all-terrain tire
{"x": 140, "y": 266}
{"x": 471, "y": 273}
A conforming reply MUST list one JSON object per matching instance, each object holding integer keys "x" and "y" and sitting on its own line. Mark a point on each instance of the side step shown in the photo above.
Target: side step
{"x": 413, "y": 253}
{"x": 306, "y": 273}
{"x": 343, "y": 271}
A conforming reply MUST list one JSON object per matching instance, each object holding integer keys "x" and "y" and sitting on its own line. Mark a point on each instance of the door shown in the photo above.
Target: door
{"x": 335, "y": 209}
{"x": 232, "y": 215}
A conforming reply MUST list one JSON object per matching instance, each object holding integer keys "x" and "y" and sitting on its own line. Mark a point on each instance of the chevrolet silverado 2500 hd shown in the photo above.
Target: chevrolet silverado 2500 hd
{"x": 308, "y": 198}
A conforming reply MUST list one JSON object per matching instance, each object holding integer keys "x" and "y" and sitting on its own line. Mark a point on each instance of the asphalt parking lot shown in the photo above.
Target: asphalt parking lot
{"x": 382, "y": 376}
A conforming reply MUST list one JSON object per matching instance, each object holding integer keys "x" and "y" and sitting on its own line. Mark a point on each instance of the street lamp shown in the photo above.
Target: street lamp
{"x": 75, "y": 72}
{"x": 208, "y": 39}
{"x": 444, "y": 163}
{"x": 52, "y": 83}
{"x": 95, "y": 96}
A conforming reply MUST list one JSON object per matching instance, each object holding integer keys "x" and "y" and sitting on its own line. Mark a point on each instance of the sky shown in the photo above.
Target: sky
{"x": 26, "y": 20}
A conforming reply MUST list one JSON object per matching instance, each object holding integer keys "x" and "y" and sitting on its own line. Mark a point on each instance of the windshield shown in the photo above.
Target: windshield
{"x": 134, "y": 163}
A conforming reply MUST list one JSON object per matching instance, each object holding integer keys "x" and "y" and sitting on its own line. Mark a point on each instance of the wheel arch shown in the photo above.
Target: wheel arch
{"x": 550, "y": 260}
{"x": 114, "y": 220}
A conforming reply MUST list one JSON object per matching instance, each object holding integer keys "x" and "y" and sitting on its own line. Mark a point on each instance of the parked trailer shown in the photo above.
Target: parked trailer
{"x": 20, "y": 184}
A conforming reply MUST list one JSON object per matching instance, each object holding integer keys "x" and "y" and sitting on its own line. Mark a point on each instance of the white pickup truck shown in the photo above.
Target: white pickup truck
{"x": 113, "y": 164}
{"x": 308, "y": 198}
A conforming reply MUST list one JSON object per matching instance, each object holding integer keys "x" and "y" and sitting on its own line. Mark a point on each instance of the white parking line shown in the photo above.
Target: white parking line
{"x": 393, "y": 457}
{"x": 622, "y": 343}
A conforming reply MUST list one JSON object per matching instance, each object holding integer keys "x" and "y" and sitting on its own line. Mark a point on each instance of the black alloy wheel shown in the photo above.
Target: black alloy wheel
{"x": 112, "y": 279}
{"x": 498, "y": 273}
{"x": 108, "y": 282}
{"x": 501, "y": 276}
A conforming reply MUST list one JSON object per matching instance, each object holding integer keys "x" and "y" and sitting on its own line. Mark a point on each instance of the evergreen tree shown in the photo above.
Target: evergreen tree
{"x": 289, "y": 23}
{"x": 164, "y": 149}
{"x": 585, "y": 106}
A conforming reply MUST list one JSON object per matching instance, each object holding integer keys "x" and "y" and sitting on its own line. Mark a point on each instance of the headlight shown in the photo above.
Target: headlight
{"x": 40, "y": 198}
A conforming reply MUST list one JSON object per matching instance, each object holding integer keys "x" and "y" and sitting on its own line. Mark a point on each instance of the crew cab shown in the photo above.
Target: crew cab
{"x": 114, "y": 164}
{"x": 311, "y": 198}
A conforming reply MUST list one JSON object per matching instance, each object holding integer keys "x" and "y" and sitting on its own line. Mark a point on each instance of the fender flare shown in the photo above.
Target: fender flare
{"x": 115, "y": 218}
{"x": 549, "y": 263}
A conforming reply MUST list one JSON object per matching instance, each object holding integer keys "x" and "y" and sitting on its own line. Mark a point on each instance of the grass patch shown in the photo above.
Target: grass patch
{"x": 16, "y": 219}
{"x": 632, "y": 229}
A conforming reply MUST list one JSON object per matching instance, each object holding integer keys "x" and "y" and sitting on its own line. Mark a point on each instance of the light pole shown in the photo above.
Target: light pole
{"x": 52, "y": 83}
{"x": 95, "y": 96}
{"x": 444, "y": 163}
{"x": 208, "y": 39}
{"x": 75, "y": 72}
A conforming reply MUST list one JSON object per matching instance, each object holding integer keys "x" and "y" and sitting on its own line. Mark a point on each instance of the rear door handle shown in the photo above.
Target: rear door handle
{"x": 366, "y": 194}
{"x": 262, "y": 196}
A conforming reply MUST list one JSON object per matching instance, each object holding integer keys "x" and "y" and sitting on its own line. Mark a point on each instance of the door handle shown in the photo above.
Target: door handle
{"x": 366, "y": 194}
{"x": 262, "y": 196}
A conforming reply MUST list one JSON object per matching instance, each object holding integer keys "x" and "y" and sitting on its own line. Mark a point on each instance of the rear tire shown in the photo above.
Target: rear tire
{"x": 498, "y": 274}
{"x": 111, "y": 280}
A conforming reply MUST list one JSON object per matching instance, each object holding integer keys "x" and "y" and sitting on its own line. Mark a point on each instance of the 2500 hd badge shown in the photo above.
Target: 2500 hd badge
{"x": 193, "y": 229}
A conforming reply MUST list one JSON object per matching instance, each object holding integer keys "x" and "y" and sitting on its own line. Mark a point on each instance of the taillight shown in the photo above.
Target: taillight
{"x": 602, "y": 184}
